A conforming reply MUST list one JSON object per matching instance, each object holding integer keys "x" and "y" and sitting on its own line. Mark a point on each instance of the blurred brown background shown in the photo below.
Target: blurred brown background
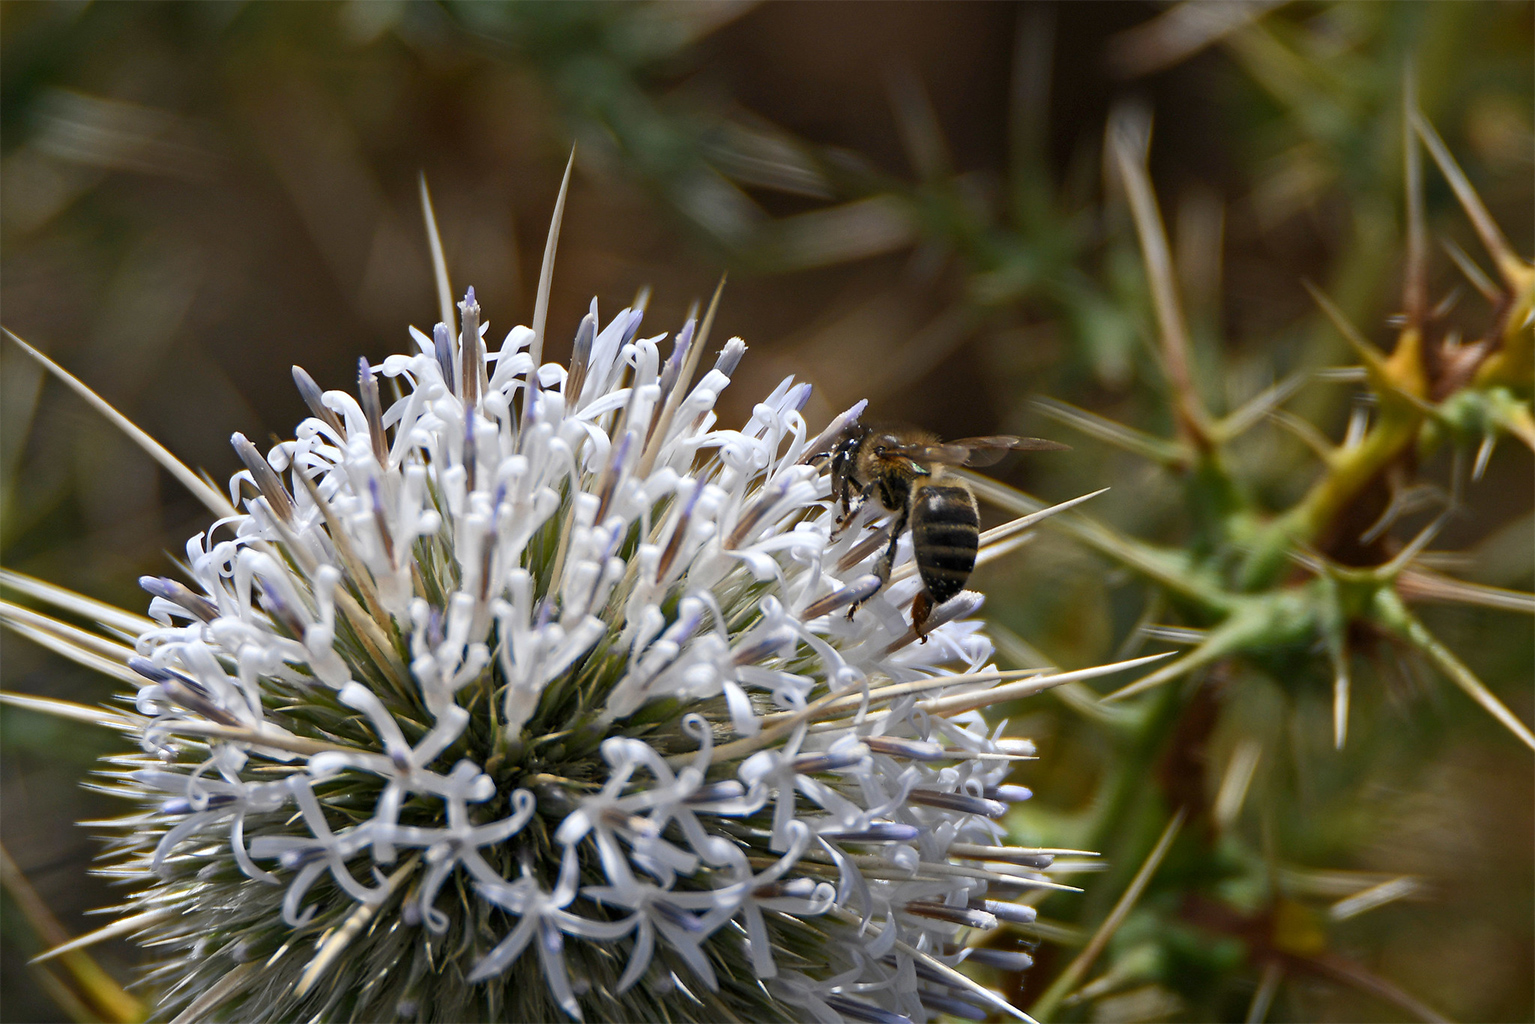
{"x": 196, "y": 196}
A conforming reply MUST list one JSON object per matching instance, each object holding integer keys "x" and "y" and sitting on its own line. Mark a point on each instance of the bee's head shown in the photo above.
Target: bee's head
{"x": 887, "y": 453}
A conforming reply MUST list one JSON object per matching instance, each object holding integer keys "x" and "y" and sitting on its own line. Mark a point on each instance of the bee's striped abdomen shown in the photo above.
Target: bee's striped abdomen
{"x": 945, "y": 531}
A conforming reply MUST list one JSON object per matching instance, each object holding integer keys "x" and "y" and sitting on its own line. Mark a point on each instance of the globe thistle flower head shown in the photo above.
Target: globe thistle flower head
{"x": 524, "y": 691}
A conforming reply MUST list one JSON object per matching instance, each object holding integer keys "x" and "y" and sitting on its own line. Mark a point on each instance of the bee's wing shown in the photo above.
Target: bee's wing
{"x": 982, "y": 451}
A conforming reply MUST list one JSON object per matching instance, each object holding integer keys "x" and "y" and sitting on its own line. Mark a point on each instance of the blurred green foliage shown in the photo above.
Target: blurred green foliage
{"x": 947, "y": 209}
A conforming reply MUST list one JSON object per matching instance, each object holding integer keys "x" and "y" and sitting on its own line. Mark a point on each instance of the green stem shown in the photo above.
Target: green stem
{"x": 1350, "y": 472}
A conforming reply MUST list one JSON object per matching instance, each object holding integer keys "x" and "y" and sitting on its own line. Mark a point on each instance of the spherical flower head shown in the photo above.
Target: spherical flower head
{"x": 531, "y": 692}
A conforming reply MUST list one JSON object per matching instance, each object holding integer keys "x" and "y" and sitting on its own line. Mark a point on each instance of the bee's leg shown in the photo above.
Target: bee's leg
{"x": 922, "y": 606}
{"x": 851, "y": 508}
{"x": 846, "y": 516}
{"x": 883, "y": 566}
{"x": 840, "y": 482}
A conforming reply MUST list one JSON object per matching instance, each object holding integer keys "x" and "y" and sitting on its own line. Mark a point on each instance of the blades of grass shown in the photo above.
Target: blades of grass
{"x": 209, "y": 496}
{"x": 831, "y": 235}
{"x": 1029, "y": 107}
{"x": 1179, "y": 33}
{"x": 104, "y": 995}
{"x": 1068, "y": 979}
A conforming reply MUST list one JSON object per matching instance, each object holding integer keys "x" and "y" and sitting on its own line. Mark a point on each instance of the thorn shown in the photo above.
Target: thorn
{"x": 1235, "y": 781}
{"x": 314, "y": 399}
{"x": 1258, "y": 407}
{"x": 663, "y": 425}
{"x": 1415, "y": 547}
{"x": 1444, "y": 306}
{"x": 541, "y": 302}
{"x": 1375, "y": 362}
{"x": 1484, "y": 453}
{"x": 336, "y": 941}
{"x": 1207, "y": 652}
{"x": 1305, "y": 432}
{"x": 1359, "y": 420}
{"x": 1510, "y": 265}
{"x": 1173, "y": 332}
{"x": 1418, "y": 583}
{"x": 1471, "y": 271}
{"x": 1137, "y": 442}
{"x": 202, "y": 491}
{"x": 1264, "y": 995}
{"x": 1413, "y": 185}
{"x": 1068, "y": 979}
{"x": 1402, "y": 622}
{"x": 918, "y": 125}
{"x": 1340, "y": 698}
{"x": 439, "y": 263}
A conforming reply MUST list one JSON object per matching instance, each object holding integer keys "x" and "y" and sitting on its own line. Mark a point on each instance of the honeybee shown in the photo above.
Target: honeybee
{"x": 906, "y": 472}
